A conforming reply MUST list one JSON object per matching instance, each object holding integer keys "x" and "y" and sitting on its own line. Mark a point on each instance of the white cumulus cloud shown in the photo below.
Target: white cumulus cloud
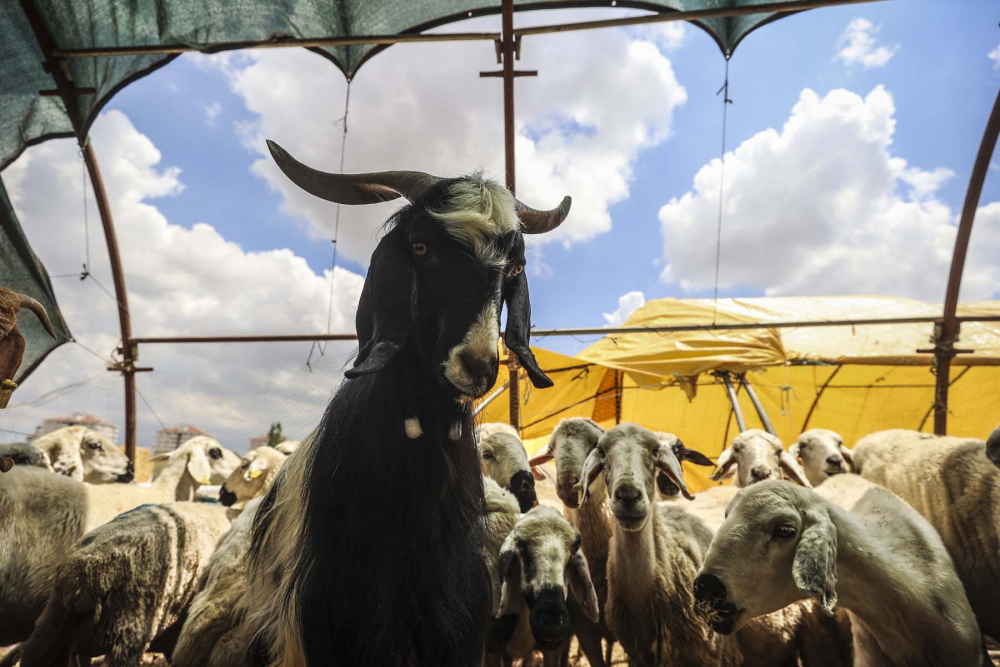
{"x": 994, "y": 55}
{"x": 823, "y": 206}
{"x": 627, "y": 304}
{"x": 181, "y": 281}
{"x": 212, "y": 112}
{"x": 599, "y": 99}
{"x": 857, "y": 45}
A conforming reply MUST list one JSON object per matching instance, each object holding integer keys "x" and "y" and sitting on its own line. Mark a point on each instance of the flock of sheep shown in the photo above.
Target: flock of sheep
{"x": 797, "y": 560}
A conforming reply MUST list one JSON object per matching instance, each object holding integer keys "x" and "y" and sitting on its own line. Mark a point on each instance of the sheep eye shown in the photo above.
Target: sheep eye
{"x": 419, "y": 249}
{"x": 94, "y": 445}
{"x": 784, "y": 531}
{"x": 215, "y": 453}
{"x": 488, "y": 456}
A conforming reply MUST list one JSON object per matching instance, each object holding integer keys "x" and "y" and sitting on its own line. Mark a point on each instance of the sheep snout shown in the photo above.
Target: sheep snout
{"x": 711, "y": 595}
{"x": 522, "y": 485}
{"x": 226, "y": 497}
{"x": 550, "y": 618}
{"x": 128, "y": 475}
{"x": 630, "y": 505}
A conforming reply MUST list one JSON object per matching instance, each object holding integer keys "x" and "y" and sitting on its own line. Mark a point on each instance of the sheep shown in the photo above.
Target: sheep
{"x": 570, "y": 443}
{"x": 428, "y": 325}
{"x": 761, "y": 456}
{"x": 655, "y": 552}
{"x": 85, "y": 455}
{"x": 539, "y": 557}
{"x": 993, "y": 447}
{"x": 286, "y": 447}
{"x": 12, "y": 343}
{"x": 220, "y": 460}
{"x": 253, "y": 477}
{"x": 51, "y": 512}
{"x": 822, "y": 454}
{"x": 951, "y": 483}
{"x": 23, "y": 454}
{"x": 125, "y": 584}
{"x": 877, "y": 557}
{"x": 213, "y": 634}
{"x": 504, "y": 459}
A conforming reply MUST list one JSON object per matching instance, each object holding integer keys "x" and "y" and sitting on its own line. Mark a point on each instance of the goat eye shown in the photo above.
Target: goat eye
{"x": 419, "y": 249}
{"x": 517, "y": 270}
{"x": 784, "y": 531}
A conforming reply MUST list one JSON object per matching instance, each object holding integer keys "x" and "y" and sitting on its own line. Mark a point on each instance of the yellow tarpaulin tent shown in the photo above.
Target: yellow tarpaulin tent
{"x": 851, "y": 379}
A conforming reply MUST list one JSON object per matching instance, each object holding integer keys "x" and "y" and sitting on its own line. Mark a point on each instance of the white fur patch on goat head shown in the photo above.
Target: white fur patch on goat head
{"x": 480, "y": 210}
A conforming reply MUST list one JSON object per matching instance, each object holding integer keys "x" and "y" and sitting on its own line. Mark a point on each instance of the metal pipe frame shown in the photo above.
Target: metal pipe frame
{"x": 944, "y": 344}
{"x": 761, "y": 412}
{"x": 733, "y": 401}
{"x": 67, "y": 92}
{"x": 719, "y": 12}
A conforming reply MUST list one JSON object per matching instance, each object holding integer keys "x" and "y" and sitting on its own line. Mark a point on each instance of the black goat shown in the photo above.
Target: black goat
{"x": 366, "y": 551}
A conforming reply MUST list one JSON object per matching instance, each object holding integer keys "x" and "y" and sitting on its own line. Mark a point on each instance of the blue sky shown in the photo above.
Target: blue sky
{"x": 819, "y": 199}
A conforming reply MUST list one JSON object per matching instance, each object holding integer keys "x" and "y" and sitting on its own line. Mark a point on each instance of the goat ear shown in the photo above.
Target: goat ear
{"x": 198, "y": 465}
{"x": 793, "y": 469}
{"x": 848, "y": 455}
{"x": 544, "y": 455}
{"x": 592, "y": 467}
{"x": 815, "y": 566}
{"x": 508, "y": 573}
{"x": 722, "y": 467}
{"x": 385, "y": 312}
{"x": 519, "y": 327}
{"x": 582, "y": 586}
{"x": 256, "y": 469}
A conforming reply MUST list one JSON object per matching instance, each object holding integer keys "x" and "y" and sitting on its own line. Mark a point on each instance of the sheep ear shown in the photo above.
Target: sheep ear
{"x": 544, "y": 455}
{"x": 793, "y": 469}
{"x": 582, "y": 586}
{"x": 592, "y": 467}
{"x": 538, "y": 474}
{"x": 722, "y": 467}
{"x": 508, "y": 573}
{"x": 848, "y": 455}
{"x": 515, "y": 295}
{"x": 384, "y": 315}
{"x": 697, "y": 458}
{"x": 815, "y": 566}
{"x": 667, "y": 463}
{"x": 256, "y": 469}
{"x": 160, "y": 457}
{"x": 794, "y": 451}
{"x": 199, "y": 466}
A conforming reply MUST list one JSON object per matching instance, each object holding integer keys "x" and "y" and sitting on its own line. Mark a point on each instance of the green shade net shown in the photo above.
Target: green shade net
{"x": 21, "y": 271}
{"x": 27, "y": 117}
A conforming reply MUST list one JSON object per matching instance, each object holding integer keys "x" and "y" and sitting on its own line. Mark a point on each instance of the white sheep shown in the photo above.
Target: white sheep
{"x": 213, "y": 634}
{"x": 570, "y": 443}
{"x": 542, "y": 563}
{"x": 822, "y": 454}
{"x": 51, "y": 512}
{"x": 761, "y": 456}
{"x": 85, "y": 455}
{"x": 655, "y": 553}
{"x": 125, "y": 584}
{"x": 220, "y": 460}
{"x": 848, "y": 542}
{"x": 951, "y": 483}
{"x": 503, "y": 458}
{"x": 286, "y": 447}
{"x": 253, "y": 477}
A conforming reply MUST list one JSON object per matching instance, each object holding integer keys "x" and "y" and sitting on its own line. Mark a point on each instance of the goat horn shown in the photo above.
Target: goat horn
{"x": 39, "y": 311}
{"x": 539, "y": 222}
{"x": 353, "y": 189}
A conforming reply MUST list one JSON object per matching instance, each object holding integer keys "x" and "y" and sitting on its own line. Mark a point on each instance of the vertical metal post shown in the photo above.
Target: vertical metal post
{"x": 732, "y": 399}
{"x": 947, "y": 334}
{"x": 507, "y": 48}
{"x": 618, "y": 396}
{"x": 68, "y": 92}
{"x": 761, "y": 412}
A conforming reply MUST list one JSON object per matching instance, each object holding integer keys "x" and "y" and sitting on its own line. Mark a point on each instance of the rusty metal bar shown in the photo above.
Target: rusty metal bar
{"x": 244, "y": 339}
{"x": 169, "y": 49}
{"x": 693, "y": 15}
{"x": 761, "y": 412}
{"x": 489, "y": 399}
{"x": 619, "y": 385}
{"x": 727, "y": 379}
{"x": 67, "y": 91}
{"x": 945, "y": 342}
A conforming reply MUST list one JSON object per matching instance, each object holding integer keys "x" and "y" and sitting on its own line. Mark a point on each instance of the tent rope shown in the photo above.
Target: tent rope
{"x": 336, "y": 233}
{"x": 722, "y": 176}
